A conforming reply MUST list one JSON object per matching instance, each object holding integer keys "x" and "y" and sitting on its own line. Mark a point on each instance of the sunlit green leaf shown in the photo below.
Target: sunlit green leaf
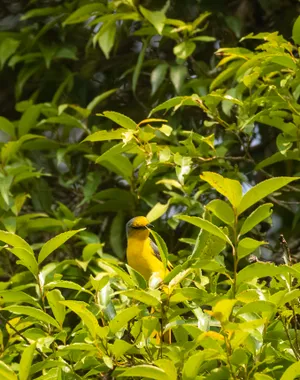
{"x": 121, "y": 319}
{"x": 6, "y": 372}
{"x": 222, "y": 210}
{"x": 162, "y": 247}
{"x": 106, "y": 38}
{"x": 247, "y": 246}
{"x": 54, "y": 243}
{"x": 230, "y": 188}
{"x": 26, "y": 360}
{"x": 59, "y": 311}
{"x": 296, "y": 31}
{"x": 157, "y": 211}
{"x": 261, "y": 190}
{"x": 120, "y": 119}
{"x": 156, "y": 18}
{"x": 257, "y": 216}
{"x": 184, "y": 49}
{"x": 206, "y": 225}
{"x": 84, "y": 12}
{"x": 37, "y": 314}
{"x": 87, "y": 317}
{"x": 146, "y": 371}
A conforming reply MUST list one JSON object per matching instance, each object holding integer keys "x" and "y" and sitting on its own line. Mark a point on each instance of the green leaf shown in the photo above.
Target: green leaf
{"x": 279, "y": 123}
{"x": 146, "y": 371}
{"x": 26, "y": 360}
{"x": 175, "y": 102}
{"x": 296, "y": 31}
{"x": 65, "y": 285}
{"x": 166, "y": 130}
{"x": 278, "y": 157}
{"x": 54, "y": 243}
{"x": 204, "y": 39}
{"x": 116, "y": 234}
{"x": 139, "y": 280}
{"x": 5, "y": 185}
{"x": 262, "y": 376}
{"x": 121, "y": 319}
{"x": 6, "y": 373}
{"x": 141, "y": 296}
{"x": 100, "y": 281}
{"x": 105, "y": 135}
{"x": 116, "y": 270}
{"x": 168, "y": 366}
{"x": 184, "y": 294}
{"x": 29, "y": 119}
{"x": 205, "y": 225}
{"x": 157, "y": 211}
{"x": 120, "y": 119}
{"x": 226, "y": 74}
{"x": 184, "y": 49}
{"x": 39, "y": 315}
{"x": 261, "y": 213}
{"x": 77, "y": 347}
{"x": 221, "y": 210}
{"x": 284, "y": 143}
{"x": 289, "y": 297}
{"x": 156, "y": 18}
{"x": 84, "y": 13}
{"x": 113, "y": 160}
{"x": 7, "y": 127}
{"x": 194, "y": 362}
{"x": 119, "y": 348}
{"x": 258, "y": 307}
{"x": 223, "y": 309}
{"x": 14, "y": 240}
{"x": 262, "y": 269}
{"x": 98, "y": 99}
{"x": 59, "y": 311}
{"x": 85, "y": 315}
{"x": 7, "y": 48}
{"x": 26, "y": 258}
{"x": 90, "y": 249}
{"x": 162, "y": 247}
{"x": 207, "y": 246}
{"x": 261, "y": 190}
{"x": 41, "y": 12}
{"x": 107, "y": 38}
{"x": 16, "y": 296}
{"x": 284, "y": 60}
{"x": 247, "y": 246}
{"x": 230, "y": 188}
{"x": 158, "y": 75}
{"x": 177, "y": 76}
{"x": 183, "y": 168}
{"x": 138, "y": 66}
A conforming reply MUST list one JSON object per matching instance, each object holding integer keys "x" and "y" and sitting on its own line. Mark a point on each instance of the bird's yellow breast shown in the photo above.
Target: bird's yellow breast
{"x": 140, "y": 256}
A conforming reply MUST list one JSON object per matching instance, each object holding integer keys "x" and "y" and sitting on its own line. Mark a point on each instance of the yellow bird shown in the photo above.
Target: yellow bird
{"x": 143, "y": 256}
{"x": 142, "y": 253}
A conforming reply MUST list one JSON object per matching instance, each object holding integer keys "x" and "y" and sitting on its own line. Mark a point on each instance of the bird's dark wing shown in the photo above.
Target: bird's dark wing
{"x": 155, "y": 250}
{"x": 157, "y": 254}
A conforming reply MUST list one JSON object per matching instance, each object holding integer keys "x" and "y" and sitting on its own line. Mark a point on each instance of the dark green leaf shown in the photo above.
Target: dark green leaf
{"x": 158, "y": 75}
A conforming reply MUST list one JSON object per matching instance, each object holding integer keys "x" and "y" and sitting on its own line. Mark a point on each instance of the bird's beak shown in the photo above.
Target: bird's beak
{"x": 150, "y": 226}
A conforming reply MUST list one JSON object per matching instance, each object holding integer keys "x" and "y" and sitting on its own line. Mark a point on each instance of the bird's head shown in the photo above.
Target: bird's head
{"x": 138, "y": 227}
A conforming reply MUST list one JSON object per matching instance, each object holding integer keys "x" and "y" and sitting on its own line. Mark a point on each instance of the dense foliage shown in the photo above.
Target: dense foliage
{"x": 120, "y": 108}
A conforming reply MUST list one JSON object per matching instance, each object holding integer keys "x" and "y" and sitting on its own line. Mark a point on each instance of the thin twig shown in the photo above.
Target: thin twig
{"x": 21, "y": 335}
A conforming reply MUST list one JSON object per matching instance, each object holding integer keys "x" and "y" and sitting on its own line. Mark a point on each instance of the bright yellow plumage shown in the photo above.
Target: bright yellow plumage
{"x": 140, "y": 249}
